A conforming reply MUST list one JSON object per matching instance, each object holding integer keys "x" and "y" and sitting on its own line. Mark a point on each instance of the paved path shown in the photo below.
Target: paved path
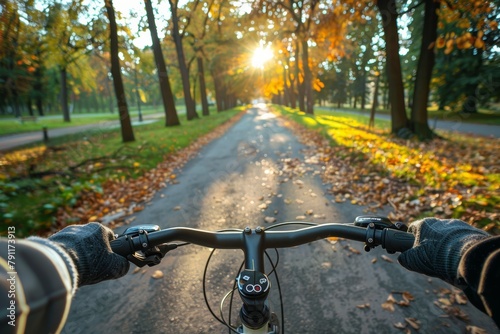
{"x": 10, "y": 142}
{"x": 257, "y": 170}
{"x": 455, "y": 124}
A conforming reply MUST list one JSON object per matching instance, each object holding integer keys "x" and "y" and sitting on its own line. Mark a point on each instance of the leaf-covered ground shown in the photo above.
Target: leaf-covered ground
{"x": 76, "y": 180}
{"x": 457, "y": 176}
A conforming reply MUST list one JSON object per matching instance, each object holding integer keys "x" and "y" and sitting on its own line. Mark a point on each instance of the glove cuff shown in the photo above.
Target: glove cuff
{"x": 65, "y": 256}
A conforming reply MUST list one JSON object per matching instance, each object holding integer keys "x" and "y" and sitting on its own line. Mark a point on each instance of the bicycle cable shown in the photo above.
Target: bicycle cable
{"x": 231, "y": 292}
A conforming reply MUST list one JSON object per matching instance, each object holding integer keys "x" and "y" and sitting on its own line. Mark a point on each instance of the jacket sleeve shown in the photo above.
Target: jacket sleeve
{"x": 36, "y": 286}
{"x": 480, "y": 270}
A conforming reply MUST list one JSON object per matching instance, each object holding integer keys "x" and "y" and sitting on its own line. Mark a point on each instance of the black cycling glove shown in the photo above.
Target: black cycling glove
{"x": 439, "y": 246}
{"x": 89, "y": 249}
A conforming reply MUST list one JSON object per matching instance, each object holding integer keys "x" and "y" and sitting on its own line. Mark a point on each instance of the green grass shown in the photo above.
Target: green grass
{"x": 484, "y": 116}
{"x": 10, "y": 125}
{"x": 30, "y": 204}
{"x": 457, "y": 175}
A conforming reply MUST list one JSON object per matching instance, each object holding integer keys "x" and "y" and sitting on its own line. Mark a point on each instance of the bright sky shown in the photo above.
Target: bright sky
{"x": 162, "y": 12}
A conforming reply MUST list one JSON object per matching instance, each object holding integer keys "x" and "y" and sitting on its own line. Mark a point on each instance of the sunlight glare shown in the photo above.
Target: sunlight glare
{"x": 261, "y": 55}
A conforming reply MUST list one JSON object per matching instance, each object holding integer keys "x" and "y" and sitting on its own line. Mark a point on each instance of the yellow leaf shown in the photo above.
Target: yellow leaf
{"x": 157, "y": 274}
{"x": 142, "y": 96}
{"x": 388, "y": 306}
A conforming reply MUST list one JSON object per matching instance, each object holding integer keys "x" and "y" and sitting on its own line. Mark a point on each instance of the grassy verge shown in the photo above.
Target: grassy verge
{"x": 47, "y": 187}
{"x": 484, "y": 116}
{"x": 455, "y": 177}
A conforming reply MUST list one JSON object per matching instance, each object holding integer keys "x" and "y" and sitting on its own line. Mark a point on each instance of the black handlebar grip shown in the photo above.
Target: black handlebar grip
{"x": 122, "y": 246}
{"x": 397, "y": 241}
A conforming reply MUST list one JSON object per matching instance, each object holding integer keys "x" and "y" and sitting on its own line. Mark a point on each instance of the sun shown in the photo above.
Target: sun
{"x": 261, "y": 55}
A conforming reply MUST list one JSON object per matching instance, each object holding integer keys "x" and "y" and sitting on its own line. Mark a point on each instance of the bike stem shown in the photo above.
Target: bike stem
{"x": 253, "y": 284}
{"x": 254, "y": 248}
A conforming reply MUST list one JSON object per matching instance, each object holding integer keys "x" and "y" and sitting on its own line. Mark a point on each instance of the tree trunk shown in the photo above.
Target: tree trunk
{"x": 190, "y": 106}
{"x": 203, "y": 87}
{"x": 371, "y": 124}
{"x": 64, "y": 95}
{"x": 300, "y": 86}
{"x": 126, "y": 125}
{"x": 396, "y": 98}
{"x": 308, "y": 91}
{"x": 291, "y": 88}
{"x": 286, "y": 88}
{"x": 171, "y": 117}
{"x": 419, "y": 115}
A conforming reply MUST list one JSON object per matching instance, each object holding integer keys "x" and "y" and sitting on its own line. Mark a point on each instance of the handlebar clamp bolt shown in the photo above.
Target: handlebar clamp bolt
{"x": 370, "y": 240}
{"x": 258, "y": 229}
{"x": 247, "y": 230}
{"x": 372, "y": 225}
{"x": 144, "y": 245}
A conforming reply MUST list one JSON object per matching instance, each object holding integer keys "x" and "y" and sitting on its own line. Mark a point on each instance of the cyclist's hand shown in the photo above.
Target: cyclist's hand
{"x": 88, "y": 246}
{"x": 439, "y": 246}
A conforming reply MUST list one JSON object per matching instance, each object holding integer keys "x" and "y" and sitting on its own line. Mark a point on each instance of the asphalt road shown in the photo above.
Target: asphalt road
{"x": 324, "y": 284}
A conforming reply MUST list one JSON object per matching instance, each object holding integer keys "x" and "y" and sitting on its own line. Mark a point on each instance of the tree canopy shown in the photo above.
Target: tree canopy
{"x": 55, "y": 56}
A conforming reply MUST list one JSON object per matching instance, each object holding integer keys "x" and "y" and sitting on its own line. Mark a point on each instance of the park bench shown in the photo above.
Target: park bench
{"x": 23, "y": 119}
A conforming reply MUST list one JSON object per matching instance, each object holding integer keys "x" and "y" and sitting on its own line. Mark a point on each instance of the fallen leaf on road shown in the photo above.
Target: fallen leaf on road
{"x": 460, "y": 297}
{"x": 386, "y": 258}
{"x": 413, "y": 323}
{"x": 475, "y": 330}
{"x": 270, "y": 220}
{"x": 388, "y": 306}
{"x": 263, "y": 206}
{"x": 300, "y": 217}
{"x": 136, "y": 270}
{"x": 354, "y": 250}
{"x": 363, "y": 306}
{"x": 399, "y": 325}
{"x": 309, "y": 212}
{"x": 445, "y": 301}
{"x": 408, "y": 296}
{"x": 157, "y": 274}
{"x": 299, "y": 201}
{"x": 177, "y": 208}
{"x": 374, "y": 260}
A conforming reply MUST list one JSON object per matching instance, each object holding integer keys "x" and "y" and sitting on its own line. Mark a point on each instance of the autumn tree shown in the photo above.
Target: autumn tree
{"x": 171, "y": 117}
{"x": 68, "y": 39}
{"x": 467, "y": 49}
{"x": 419, "y": 116}
{"x": 126, "y": 125}
{"x": 178, "y": 34}
{"x": 197, "y": 32}
{"x": 389, "y": 13}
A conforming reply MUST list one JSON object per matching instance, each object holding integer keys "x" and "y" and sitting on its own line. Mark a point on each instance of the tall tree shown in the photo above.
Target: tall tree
{"x": 198, "y": 31}
{"x": 126, "y": 125}
{"x": 68, "y": 39}
{"x": 171, "y": 117}
{"x": 419, "y": 115}
{"x": 178, "y": 37}
{"x": 399, "y": 120}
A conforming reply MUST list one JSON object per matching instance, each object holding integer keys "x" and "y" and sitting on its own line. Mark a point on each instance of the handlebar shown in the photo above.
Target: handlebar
{"x": 147, "y": 244}
{"x": 254, "y": 242}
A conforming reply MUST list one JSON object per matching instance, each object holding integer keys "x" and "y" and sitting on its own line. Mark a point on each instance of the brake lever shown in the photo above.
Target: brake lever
{"x": 150, "y": 256}
{"x": 373, "y": 223}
